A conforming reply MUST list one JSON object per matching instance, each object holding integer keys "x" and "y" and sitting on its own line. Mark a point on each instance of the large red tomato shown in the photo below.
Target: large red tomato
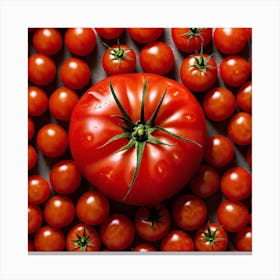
{"x": 138, "y": 138}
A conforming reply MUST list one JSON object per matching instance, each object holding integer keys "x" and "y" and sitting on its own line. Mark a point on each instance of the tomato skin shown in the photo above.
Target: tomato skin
{"x": 145, "y": 35}
{"x": 35, "y": 218}
{"x": 157, "y": 58}
{"x": 32, "y": 157}
{"x": 30, "y": 245}
{"x": 38, "y": 189}
{"x": 177, "y": 240}
{"x": 117, "y": 232}
{"x": 244, "y": 97}
{"x": 143, "y": 247}
{"x": 160, "y": 174}
{"x": 109, "y": 33}
{"x": 41, "y": 69}
{"x": 243, "y": 240}
{"x": 37, "y": 101}
{"x": 249, "y": 155}
{"x": 49, "y": 239}
{"x": 31, "y": 128}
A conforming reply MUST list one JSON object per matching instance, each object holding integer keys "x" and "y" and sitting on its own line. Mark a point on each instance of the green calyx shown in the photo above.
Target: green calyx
{"x": 201, "y": 62}
{"x": 154, "y": 217}
{"x": 211, "y": 236}
{"x": 193, "y": 32}
{"x": 83, "y": 241}
{"x": 140, "y": 133}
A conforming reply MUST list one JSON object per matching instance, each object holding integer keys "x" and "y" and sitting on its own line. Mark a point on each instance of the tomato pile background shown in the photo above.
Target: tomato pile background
{"x": 94, "y": 61}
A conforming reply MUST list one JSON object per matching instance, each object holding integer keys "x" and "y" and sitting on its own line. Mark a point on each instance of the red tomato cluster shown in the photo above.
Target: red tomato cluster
{"x": 210, "y": 210}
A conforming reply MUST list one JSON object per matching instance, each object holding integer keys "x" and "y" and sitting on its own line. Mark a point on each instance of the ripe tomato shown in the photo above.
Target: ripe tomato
{"x": 189, "y": 212}
{"x": 102, "y": 141}
{"x": 198, "y": 72}
{"x": 236, "y": 183}
{"x": 219, "y": 104}
{"x": 41, "y": 69}
{"x": 75, "y": 73}
{"x": 59, "y": 211}
{"x": 233, "y": 216}
{"x": 92, "y": 208}
{"x": 145, "y": 35}
{"x": 31, "y": 128}
{"x": 47, "y": 41}
{"x": 65, "y": 177}
{"x": 211, "y": 237}
{"x": 243, "y": 239}
{"x": 144, "y": 247}
{"x": 80, "y": 41}
{"x": 37, "y": 101}
{"x": 230, "y": 40}
{"x": 49, "y": 239}
{"x": 157, "y": 58}
{"x": 109, "y": 33}
{"x": 219, "y": 151}
{"x": 234, "y": 70}
{"x": 240, "y": 128}
{"x": 117, "y": 232}
{"x": 62, "y": 102}
{"x": 32, "y": 157}
{"x": 38, "y": 189}
{"x": 82, "y": 238}
{"x": 119, "y": 59}
{"x": 177, "y": 240}
{"x": 52, "y": 140}
{"x": 244, "y": 97}
{"x": 35, "y": 218}
{"x": 191, "y": 39}
{"x": 152, "y": 223}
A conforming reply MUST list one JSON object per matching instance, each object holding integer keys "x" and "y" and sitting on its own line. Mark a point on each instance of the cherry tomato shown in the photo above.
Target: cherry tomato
{"x": 62, "y": 102}
{"x": 144, "y": 247}
{"x": 230, "y": 40}
{"x": 75, "y": 73}
{"x": 92, "y": 208}
{"x": 236, "y": 183}
{"x": 37, "y": 101}
{"x": 82, "y": 238}
{"x": 109, "y": 33}
{"x": 249, "y": 33}
{"x": 243, "y": 239}
{"x": 35, "y": 218}
{"x": 219, "y": 151}
{"x": 41, "y": 69}
{"x": 234, "y": 70}
{"x": 49, "y": 239}
{"x": 80, "y": 41}
{"x": 240, "y": 128}
{"x": 233, "y": 216}
{"x": 47, "y": 41}
{"x": 38, "y": 189}
{"x": 31, "y": 128}
{"x": 32, "y": 157}
{"x": 177, "y": 240}
{"x": 59, "y": 211}
{"x": 205, "y": 182}
{"x": 191, "y": 39}
{"x": 145, "y": 35}
{"x": 219, "y": 104}
{"x": 152, "y": 223}
{"x": 244, "y": 97}
{"x": 117, "y": 232}
{"x": 52, "y": 140}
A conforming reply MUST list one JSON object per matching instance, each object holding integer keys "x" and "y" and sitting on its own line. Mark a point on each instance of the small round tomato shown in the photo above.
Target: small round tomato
{"x": 234, "y": 70}
{"x": 109, "y": 33}
{"x": 59, "y": 211}
{"x": 75, "y": 73}
{"x": 35, "y": 218}
{"x": 219, "y": 104}
{"x": 230, "y": 40}
{"x": 31, "y": 128}
{"x": 144, "y": 247}
{"x": 205, "y": 182}
{"x": 244, "y": 97}
{"x": 32, "y": 157}
{"x": 47, "y": 41}
{"x": 152, "y": 223}
{"x": 211, "y": 237}
{"x": 243, "y": 239}
{"x": 191, "y": 39}
{"x": 38, "y": 189}
{"x": 198, "y": 72}
{"x": 249, "y": 155}
{"x": 65, "y": 177}
{"x": 157, "y": 58}
{"x": 240, "y": 128}
{"x": 92, "y": 208}
{"x": 37, "y": 101}
{"x": 177, "y": 240}
{"x": 236, "y": 183}
{"x": 189, "y": 212}
{"x": 233, "y": 216}
{"x": 219, "y": 151}
{"x": 49, "y": 239}
{"x": 80, "y": 41}
{"x": 52, "y": 140}
{"x": 145, "y": 35}
{"x": 119, "y": 59}
{"x": 82, "y": 238}
{"x": 41, "y": 69}
{"x": 117, "y": 232}
{"x": 62, "y": 102}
